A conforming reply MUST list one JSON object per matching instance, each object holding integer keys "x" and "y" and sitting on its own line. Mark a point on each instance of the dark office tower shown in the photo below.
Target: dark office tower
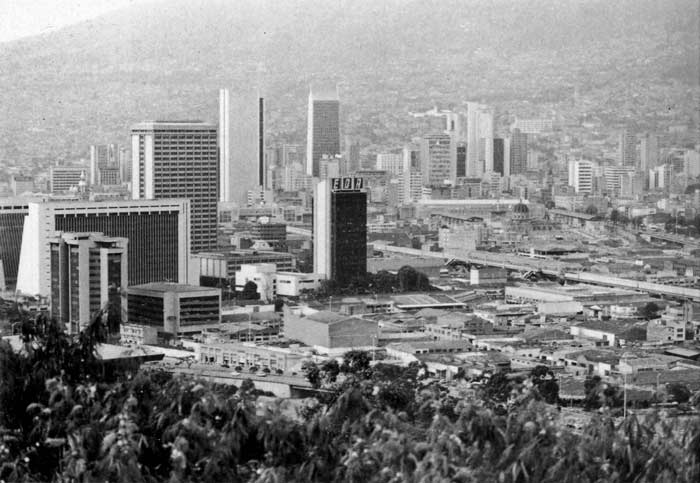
{"x": 179, "y": 159}
{"x": 461, "y": 160}
{"x": 627, "y": 148}
{"x": 12, "y": 213}
{"x": 518, "y": 152}
{"x": 157, "y": 230}
{"x": 498, "y": 156}
{"x": 323, "y": 129}
{"x": 88, "y": 273}
{"x": 340, "y": 229}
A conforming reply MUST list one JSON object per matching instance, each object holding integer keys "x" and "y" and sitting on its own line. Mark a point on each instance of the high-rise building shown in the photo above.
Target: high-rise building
{"x": 486, "y": 138}
{"x": 479, "y": 138}
{"x": 241, "y": 145}
{"x": 411, "y": 176}
{"x": 88, "y": 272}
{"x": 12, "y": 213}
{"x": 158, "y": 232}
{"x": 65, "y": 178}
{"x": 498, "y": 156}
{"x": 392, "y": 163}
{"x": 581, "y": 176}
{"x": 21, "y": 184}
{"x": 660, "y": 177}
{"x": 352, "y": 154}
{"x": 179, "y": 160}
{"x": 474, "y": 167}
{"x": 648, "y": 152}
{"x": 518, "y": 152}
{"x": 340, "y": 229}
{"x": 105, "y": 164}
{"x": 614, "y": 176}
{"x": 323, "y": 129}
{"x": 461, "y": 160}
{"x": 438, "y": 159}
{"x": 627, "y": 148}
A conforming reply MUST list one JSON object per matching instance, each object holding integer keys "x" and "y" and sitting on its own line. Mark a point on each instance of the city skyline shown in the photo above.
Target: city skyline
{"x": 358, "y": 240}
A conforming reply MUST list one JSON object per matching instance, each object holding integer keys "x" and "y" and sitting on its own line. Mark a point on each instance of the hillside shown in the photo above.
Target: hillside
{"x": 87, "y": 83}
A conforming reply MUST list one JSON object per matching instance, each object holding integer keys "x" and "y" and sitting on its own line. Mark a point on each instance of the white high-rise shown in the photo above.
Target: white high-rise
{"x": 581, "y": 176}
{"x": 479, "y": 139}
{"x": 241, "y": 145}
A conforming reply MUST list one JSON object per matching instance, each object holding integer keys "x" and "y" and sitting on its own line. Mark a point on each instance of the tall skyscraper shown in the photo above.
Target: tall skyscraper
{"x": 340, "y": 229}
{"x": 178, "y": 159}
{"x": 486, "y": 137}
{"x": 241, "y": 145}
{"x": 411, "y": 176}
{"x": 498, "y": 156}
{"x": 352, "y": 154}
{"x": 648, "y": 152}
{"x": 323, "y": 128}
{"x": 105, "y": 164}
{"x": 158, "y": 232}
{"x": 479, "y": 137}
{"x": 627, "y": 148}
{"x": 581, "y": 176}
{"x": 518, "y": 152}
{"x": 474, "y": 167}
{"x": 438, "y": 159}
{"x": 461, "y": 161}
{"x": 88, "y": 271}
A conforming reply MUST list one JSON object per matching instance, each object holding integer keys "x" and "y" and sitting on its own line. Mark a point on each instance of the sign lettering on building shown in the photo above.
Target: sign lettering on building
{"x": 347, "y": 184}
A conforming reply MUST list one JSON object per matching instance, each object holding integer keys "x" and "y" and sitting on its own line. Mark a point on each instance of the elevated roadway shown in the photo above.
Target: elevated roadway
{"x": 569, "y": 271}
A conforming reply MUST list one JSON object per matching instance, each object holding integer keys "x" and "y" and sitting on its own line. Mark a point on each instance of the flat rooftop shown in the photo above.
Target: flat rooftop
{"x": 164, "y": 287}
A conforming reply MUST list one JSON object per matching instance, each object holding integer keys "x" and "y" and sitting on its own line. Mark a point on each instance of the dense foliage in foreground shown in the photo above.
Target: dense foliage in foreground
{"x": 63, "y": 418}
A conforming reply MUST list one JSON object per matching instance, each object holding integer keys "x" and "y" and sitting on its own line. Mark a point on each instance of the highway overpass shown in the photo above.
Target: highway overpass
{"x": 570, "y": 271}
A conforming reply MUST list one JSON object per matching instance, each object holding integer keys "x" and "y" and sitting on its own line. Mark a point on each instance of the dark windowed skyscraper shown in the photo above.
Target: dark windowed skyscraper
{"x": 518, "y": 152}
{"x": 157, "y": 230}
{"x": 498, "y": 156}
{"x": 461, "y": 159}
{"x": 340, "y": 229}
{"x": 323, "y": 129}
{"x": 179, "y": 160}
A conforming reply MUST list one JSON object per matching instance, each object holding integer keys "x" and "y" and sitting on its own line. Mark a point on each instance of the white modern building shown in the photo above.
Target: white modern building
{"x": 157, "y": 230}
{"x": 241, "y": 144}
{"x": 581, "y": 176}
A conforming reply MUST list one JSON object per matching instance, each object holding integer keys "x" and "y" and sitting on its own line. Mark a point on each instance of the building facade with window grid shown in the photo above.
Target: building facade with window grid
{"x": 179, "y": 159}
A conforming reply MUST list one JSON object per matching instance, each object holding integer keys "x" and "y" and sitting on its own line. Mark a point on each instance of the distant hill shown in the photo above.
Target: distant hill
{"x": 87, "y": 83}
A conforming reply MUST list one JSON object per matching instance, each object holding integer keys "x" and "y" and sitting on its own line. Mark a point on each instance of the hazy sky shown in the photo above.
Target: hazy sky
{"x": 21, "y": 18}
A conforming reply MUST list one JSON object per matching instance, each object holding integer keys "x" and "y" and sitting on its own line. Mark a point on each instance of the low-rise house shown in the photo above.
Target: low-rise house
{"x": 409, "y": 351}
{"x": 610, "y": 332}
{"x": 669, "y": 328}
{"x": 591, "y": 362}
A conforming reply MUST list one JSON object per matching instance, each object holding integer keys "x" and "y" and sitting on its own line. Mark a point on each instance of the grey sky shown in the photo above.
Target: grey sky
{"x": 22, "y": 18}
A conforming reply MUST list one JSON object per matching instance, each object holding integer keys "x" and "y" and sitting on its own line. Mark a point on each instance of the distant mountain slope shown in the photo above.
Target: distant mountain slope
{"x": 89, "y": 82}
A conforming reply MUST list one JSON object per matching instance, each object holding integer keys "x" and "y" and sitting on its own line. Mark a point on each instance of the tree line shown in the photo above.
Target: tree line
{"x": 64, "y": 418}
